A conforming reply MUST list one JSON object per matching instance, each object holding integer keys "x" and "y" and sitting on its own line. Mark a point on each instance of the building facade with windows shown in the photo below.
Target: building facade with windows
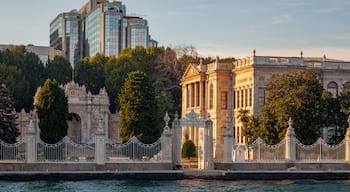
{"x": 99, "y": 26}
{"x": 65, "y": 32}
{"x": 220, "y": 90}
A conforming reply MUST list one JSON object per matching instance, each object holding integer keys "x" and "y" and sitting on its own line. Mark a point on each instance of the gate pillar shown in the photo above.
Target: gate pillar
{"x": 347, "y": 142}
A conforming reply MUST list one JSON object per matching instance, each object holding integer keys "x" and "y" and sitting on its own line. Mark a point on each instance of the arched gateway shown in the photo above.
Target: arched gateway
{"x": 205, "y": 139}
{"x": 85, "y": 112}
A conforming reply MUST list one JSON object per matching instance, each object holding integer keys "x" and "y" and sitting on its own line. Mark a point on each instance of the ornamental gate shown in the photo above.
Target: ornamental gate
{"x": 204, "y": 142}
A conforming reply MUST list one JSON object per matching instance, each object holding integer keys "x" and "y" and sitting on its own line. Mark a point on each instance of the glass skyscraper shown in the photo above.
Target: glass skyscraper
{"x": 99, "y": 26}
{"x": 65, "y": 32}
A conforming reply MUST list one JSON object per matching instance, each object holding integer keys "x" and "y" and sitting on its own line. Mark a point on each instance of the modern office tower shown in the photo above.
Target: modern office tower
{"x": 136, "y": 32}
{"x": 103, "y": 27}
{"x": 65, "y": 36}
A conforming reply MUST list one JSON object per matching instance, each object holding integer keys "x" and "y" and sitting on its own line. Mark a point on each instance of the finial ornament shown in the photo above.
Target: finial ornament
{"x": 166, "y": 119}
{"x": 176, "y": 115}
{"x": 290, "y": 122}
{"x": 301, "y": 53}
{"x": 254, "y": 51}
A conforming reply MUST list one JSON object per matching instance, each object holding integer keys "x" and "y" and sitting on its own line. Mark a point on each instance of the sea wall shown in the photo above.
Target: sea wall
{"x": 70, "y": 167}
{"x": 300, "y": 166}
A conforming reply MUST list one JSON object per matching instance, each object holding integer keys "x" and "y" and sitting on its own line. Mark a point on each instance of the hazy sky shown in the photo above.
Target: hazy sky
{"x": 216, "y": 28}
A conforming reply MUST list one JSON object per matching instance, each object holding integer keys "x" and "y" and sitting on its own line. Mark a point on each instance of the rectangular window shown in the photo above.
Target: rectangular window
{"x": 192, "y": 95}
{"x": 197, "y": 94}
{"x": 242, "y": 98}
{"x": 261, "y": 96}
{"x": 250, "y": 97}
{"x": 234, "y": 102}
{"x": 211, "y": 97}
{"x": 246, "y": 98}
{"x": 187, "y": 96}
{"x": 238, "y": 99}
{"x": 224, "y": 100}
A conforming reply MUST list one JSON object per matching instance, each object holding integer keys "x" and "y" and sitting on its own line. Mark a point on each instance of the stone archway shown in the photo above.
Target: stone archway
{"x": 74, "y": 128}
{"x": 204, "y": 143}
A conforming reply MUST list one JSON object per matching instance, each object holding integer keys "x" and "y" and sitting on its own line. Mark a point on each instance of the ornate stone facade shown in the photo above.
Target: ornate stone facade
{"x": 85, "y": 111}
{"x": 222, "y": 89}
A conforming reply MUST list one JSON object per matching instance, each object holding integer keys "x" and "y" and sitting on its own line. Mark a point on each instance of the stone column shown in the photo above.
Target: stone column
{"x": 201, "y": 99}
{"x": 347, "y": 142}
{"x": 228, "y": 142}
{"x": 290, "y": 142}
{"x": 208, "y": 144}
{"x": 100, "y": 145}
{"x": 31, "y": 143}
{"x": 166, "y": 140}
{"x": 177, "y": 141}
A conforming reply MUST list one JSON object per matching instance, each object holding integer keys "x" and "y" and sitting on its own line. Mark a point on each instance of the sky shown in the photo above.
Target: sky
{"x": 225, "y": 28}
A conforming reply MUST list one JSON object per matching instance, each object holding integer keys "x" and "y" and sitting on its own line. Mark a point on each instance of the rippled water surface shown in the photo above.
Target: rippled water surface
{"x": 178, "y": 185}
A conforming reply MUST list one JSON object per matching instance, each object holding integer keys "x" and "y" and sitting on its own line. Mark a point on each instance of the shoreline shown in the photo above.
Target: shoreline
{"x": 172, "y": 175}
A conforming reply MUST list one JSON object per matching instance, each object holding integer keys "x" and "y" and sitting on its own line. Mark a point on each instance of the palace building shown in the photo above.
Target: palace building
{"x": 219, "y": 90}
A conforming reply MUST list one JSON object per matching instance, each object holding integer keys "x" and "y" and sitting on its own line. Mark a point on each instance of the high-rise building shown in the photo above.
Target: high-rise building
{"x": 65, "y": 36}
{"x": 136, "y": 32}
{"x": 99, "y": 26}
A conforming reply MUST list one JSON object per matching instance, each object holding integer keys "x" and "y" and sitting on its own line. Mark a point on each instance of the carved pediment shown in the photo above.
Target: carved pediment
{"x": 190, "y": 71}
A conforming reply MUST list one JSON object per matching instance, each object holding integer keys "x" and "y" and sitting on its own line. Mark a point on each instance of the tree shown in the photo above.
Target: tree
{"x": 138, "y": 109}
{"x": 17, "y": 84}
{"x": 89, "y": 72}
{"x": 333, "y": 116}
{"x": 31, "y": 69}
{"x": 188, "y": 149}
{"x": 60, "y": 69}
{"x": 52, "y": 108}
{"x": 8, "y": 127}
{"x": 295, "y": 95}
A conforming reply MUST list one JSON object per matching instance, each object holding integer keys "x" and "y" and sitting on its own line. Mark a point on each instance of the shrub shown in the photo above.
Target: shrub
{"x": 188, "y": 149}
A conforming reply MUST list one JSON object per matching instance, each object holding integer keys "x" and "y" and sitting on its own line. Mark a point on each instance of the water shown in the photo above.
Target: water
{"x": 175, "y": 186}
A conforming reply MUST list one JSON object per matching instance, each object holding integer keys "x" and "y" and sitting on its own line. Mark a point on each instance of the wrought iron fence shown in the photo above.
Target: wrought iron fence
{"x": 67, "y": 150}
{"x": 260, "y": 151}
{"x": 12, "y": 152}
{"x": 133, "y": 150}
{"x": 320, "y": 151}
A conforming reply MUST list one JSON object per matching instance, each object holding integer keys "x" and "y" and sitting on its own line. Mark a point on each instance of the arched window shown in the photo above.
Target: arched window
{"x": 211, "y": 97}
{"x": 333, "y": 88}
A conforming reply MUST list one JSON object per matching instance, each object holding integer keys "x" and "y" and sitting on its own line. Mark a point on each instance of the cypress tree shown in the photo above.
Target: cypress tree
{"x": 138, "y": 109}
{"x": 52, "y": 108}
{"x": 8, "y": 127}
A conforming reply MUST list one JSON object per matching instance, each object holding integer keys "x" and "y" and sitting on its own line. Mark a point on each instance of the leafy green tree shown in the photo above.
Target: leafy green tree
{"x": 345, "y": 98}
{"x": 52, "y": 108}
{"x": 138, "y": 109}
{"x": 333, "y": 116}
{"x": 8, "y": 127}
{"x": 295, "y": 95}
{"x": 116, "y": 71}
{"x": 17, "y": 84}
{"x": 32, "y": 70}
{"x": 60, "y": 69}
{"x": 90, "y": 73}
{"x": 188, "y": 149}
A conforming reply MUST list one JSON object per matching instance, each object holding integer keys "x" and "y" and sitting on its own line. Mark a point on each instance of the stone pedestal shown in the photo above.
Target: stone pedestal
{"x": 31, "y": 143}
{"x": 177, "y": 139}
{"x": 290, "y": 139}
{"x": 347, "y": 145}
{"x": 228, "y": 145}
{"x": 208, "y": 144}
{"x": 100, "y": 145}
{"x": 166, "y": 140}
